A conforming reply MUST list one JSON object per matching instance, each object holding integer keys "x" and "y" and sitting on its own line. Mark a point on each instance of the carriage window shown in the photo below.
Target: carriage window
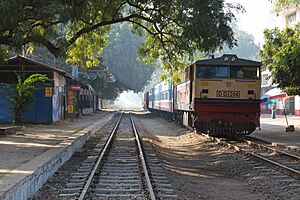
{"x": 212, "y": 71}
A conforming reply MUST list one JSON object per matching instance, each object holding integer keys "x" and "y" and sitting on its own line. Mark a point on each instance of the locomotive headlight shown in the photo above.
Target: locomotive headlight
{"x": 250, "y": 91}
{"x": 204, "y": 91}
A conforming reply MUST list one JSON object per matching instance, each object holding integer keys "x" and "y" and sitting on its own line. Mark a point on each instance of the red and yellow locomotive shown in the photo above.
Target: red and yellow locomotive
{"x": 219, "y": 96}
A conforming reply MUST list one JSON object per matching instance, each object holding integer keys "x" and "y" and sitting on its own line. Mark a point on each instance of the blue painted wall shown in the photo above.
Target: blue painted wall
{"x": 40, "y": 111}
{"x": 5, "y": 113}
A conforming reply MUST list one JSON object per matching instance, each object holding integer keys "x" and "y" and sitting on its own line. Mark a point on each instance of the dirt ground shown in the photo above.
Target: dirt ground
{"x": 196, "y": 168}
{"x": 32, "y": 140}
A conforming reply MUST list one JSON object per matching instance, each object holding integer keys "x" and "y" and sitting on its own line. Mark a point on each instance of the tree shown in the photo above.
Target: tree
{"x": 245, "y": 48}
{"x": 121, "y": 58}
{"x": 281, "y": 55}
{"x": 78, "y": 29}
{"x": 103, "y": 82}
{"x": 21, "y": 94}
{"x": 280, "y": 5}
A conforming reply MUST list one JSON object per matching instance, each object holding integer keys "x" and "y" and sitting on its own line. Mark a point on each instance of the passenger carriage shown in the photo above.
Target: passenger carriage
{"x": 160, "y": 98}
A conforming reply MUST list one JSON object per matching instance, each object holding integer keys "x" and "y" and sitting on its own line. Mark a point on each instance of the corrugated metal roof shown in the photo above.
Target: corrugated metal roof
{"x": 27, "y": 61}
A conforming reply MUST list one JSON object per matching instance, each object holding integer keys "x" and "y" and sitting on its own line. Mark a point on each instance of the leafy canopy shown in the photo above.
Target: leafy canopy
{"x": 78, "y": 28}
{"x": 281, "y": 55}
{"x": 119, "y": 59}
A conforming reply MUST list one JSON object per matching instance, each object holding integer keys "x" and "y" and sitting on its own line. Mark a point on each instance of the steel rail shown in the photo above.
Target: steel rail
{"x": 266, "y": 160}
{"x": 253, "y": 143}
{"x": 141, "y": 153}
{"x": 276, "y": 164}
{"x": 91, "y": 176}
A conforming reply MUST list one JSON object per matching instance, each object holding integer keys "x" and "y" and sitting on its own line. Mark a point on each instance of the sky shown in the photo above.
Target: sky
{"x": 258, "y": 16}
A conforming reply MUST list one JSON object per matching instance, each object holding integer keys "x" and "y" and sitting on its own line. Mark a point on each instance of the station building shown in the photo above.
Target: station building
{"x": 289, "y": 105}
{"x": 57, "y": 99}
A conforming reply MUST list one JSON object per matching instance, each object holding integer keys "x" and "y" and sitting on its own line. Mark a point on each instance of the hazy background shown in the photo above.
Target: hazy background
{"x": 258, "y": 16}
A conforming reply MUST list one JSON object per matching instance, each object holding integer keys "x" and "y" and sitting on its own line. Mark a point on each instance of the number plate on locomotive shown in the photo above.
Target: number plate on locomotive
{"x": 233, "y": 94}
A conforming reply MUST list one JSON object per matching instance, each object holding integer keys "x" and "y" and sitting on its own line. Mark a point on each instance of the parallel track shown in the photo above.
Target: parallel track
{"x": 119, "y": 171}
{"x": 280, "y": 160}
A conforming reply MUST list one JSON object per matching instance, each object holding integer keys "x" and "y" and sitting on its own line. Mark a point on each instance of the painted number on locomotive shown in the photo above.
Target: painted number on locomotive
{"x": 233, "y": 94}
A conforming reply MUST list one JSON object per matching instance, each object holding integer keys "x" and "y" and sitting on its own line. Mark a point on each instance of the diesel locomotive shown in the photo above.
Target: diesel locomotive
{"x": 218, "y": 96}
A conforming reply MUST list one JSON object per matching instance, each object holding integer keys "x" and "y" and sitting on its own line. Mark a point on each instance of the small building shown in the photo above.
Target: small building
{"x": 81, "y": 99}
{"x": 88, "y": 100}
{"x": 289, "y": 16}
{"x": 49, "y": 103}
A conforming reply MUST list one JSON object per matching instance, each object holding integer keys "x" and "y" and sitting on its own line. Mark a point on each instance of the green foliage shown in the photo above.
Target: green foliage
{"x": 21, "y": 94}
{"x": 78, "y": 29}
{"x": 121, "y": 58}
{"x": 280, "y": 55}
{"x": 86, "y": 49}
{"x": 3, "y": 53}
{"x": 112, "y": 90}
{"x": 280, "y": 5}
{"x": 156, "y": 78}
{"x": 103, "y": 82}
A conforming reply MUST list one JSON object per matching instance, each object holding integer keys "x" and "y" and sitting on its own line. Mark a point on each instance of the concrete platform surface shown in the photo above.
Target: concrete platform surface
{"x": 29, "y": 157}
{"x": 273, "y": 130}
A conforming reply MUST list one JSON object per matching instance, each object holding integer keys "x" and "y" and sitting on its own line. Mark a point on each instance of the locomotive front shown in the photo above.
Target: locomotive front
{"x": 226, "y": 95}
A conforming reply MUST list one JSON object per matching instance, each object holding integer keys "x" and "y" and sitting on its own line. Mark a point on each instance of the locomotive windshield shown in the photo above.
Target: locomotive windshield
{"x": 234, "y": 72}
{"x": 212, "y": 72}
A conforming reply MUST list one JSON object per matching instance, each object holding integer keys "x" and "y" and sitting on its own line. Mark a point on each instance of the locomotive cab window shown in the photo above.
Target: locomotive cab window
{"x": 232, "y": 72}
{"x": 244, "y": 72}
{"x": 212, "y": 71}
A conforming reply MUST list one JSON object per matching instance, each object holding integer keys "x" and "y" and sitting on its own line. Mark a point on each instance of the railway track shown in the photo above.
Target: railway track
{"x": 117, "y": 169}
{"x": 282, "y": 160}
{"x": 279, "y": 159}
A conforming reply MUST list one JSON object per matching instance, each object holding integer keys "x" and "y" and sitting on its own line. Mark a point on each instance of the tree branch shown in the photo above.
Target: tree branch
{"x": 105, "y": 23}
{"x": 144, "y": 27}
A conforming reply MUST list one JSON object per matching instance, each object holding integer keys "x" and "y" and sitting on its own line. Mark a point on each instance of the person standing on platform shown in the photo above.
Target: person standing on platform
{"x": 274, "y": 111}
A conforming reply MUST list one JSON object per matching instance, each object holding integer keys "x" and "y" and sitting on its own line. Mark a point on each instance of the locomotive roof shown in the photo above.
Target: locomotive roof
{"x": 229, "y": 59}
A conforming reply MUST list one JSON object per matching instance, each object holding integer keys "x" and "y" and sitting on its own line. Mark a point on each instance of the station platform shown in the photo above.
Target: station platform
{"x": 33, "y": 154}
{"x": 274, "y": 131}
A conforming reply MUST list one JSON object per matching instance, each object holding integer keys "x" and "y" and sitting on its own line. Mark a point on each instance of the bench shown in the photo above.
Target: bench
{"x": 9, "y": 130}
